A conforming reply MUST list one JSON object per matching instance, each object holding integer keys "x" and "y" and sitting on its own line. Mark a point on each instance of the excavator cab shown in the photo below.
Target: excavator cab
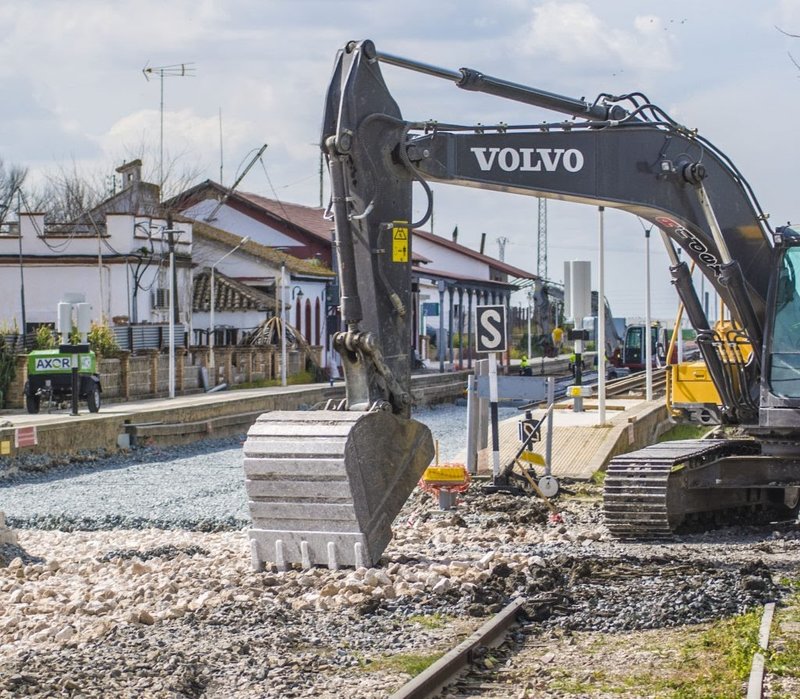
{"x": 781, "y": 380}
{"x": 783, "y": 377}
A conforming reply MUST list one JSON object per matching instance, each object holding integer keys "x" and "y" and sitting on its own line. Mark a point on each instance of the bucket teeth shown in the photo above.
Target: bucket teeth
{"x": 324, "y": 486}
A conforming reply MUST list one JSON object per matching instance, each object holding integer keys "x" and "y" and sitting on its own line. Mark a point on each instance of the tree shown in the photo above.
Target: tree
{"x": 793, "y": 36}
{"x": 67, "y": 194}
{"x": 11, "y": 180}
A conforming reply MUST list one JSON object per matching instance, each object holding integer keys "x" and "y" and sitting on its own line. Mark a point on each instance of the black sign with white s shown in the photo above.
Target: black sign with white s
{"x": 490, "y": 334}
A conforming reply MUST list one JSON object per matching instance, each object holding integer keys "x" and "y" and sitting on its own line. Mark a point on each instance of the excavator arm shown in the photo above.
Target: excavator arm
{"x": 618, "y": 151}
{"x": 325, "y": 486}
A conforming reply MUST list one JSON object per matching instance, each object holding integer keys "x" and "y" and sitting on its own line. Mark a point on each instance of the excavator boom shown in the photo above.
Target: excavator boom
{"x": 616, "y": 151}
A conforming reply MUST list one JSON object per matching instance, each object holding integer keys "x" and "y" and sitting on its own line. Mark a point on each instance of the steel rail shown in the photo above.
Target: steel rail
{"x": 445, "y": 670}
{"x": 633, "y": 381}
{"x": 755, "y": 683}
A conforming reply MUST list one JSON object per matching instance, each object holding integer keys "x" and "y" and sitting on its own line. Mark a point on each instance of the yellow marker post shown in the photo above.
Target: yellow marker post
{"x": 533, "y": 458}
{"x": 445, "y": 475}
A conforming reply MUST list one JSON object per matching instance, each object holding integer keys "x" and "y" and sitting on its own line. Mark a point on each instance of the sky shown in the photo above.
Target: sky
{"x": 75, "y": 96}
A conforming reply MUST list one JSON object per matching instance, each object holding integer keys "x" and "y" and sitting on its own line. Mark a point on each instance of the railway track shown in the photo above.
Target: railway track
{"x": 492, "y": 661}
{"x": 635, "y": 383}
{"x": 447, "y": 669}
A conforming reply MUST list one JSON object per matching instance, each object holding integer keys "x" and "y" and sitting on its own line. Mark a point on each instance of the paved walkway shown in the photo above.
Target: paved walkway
{"x": 152, "y": 405}
{"x": 581, "y": 445}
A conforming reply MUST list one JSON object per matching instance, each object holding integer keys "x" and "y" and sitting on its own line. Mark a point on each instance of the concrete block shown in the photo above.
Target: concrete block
{"x": 7, "y": 536}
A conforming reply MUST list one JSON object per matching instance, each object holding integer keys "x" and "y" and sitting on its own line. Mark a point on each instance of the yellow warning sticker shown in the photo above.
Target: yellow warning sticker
{"x": 5, "y": 447}
{"x": 400, "y": 241}
{"x": 449, "y": 474}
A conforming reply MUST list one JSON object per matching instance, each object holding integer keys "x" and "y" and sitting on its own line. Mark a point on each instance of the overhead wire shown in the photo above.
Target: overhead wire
{"x": 40, "y": 233}
{"x": 285, "y": 213}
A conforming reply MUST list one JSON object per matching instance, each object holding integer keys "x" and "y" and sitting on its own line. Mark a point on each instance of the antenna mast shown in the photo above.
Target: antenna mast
{"x": 178, "y": 70}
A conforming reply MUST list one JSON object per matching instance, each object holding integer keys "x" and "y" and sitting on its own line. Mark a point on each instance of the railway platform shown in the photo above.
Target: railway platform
{"x": 581, "y": 444}
{"x": 182, "y": 419}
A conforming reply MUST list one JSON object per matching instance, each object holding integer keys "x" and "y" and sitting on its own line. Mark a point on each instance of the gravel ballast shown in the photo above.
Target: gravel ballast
{"x": 132, "y": 577}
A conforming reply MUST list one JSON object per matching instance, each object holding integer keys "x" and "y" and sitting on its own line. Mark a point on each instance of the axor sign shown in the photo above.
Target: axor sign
{"x": 51, "y": 363}
{"x": 490, "y": 334}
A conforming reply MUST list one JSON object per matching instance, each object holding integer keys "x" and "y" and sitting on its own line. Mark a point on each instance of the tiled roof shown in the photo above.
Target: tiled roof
{"x": 496, "y": 264}
{"x": 306, "y": 219}
{"x": 229, "y": 294}
{"x": 264, "y": 252}
{"x": 428, "y": 273}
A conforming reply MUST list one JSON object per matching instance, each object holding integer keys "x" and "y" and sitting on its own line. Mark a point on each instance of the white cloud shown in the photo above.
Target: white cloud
{"x": 573, "y": 34}
{"x": 70, "y": 75}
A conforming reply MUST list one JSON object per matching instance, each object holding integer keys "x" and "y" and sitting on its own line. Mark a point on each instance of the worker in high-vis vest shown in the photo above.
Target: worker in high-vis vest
{"x": 558, "y": 338}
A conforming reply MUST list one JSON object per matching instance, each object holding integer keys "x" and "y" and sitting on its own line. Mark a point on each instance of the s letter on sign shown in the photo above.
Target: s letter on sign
{"x": 490, "y": 333}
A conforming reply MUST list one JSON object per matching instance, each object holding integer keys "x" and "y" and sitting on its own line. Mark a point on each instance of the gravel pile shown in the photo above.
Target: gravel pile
{"x": 197, "y": 486}
{"x": 93, "y": 609}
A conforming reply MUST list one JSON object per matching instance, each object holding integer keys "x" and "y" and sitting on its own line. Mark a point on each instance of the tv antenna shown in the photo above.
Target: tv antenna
{"x": 177, "y": 70}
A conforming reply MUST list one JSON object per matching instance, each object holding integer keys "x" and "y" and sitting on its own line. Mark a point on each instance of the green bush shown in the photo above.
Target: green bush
{"x": 45, "y": 338}
{"x": 7, "y": 369}
{"x": 102, "y": 340}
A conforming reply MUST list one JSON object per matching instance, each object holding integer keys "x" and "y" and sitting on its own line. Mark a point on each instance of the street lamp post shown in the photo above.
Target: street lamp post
{"x": 530, "y": 299}
{"x": 171, "y": 317}
{"x": 284, "y": 359}
{"x": 601, "y": 321}
{"x": 282, "y": 311}
{"x": 648, "y": 343}
{"x": 214, "y": 301}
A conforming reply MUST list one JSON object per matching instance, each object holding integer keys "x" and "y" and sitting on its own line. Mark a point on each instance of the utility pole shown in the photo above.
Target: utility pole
{"x": 501, "y": 244}
{"x": 222, "y": 201}
{"x": 21, "y": 269}
{"x": 321, "y": 173}
{"x": 541, "y": 256}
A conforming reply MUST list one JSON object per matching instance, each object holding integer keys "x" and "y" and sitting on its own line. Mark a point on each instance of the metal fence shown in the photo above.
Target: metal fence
{"x": 151, "y": 336}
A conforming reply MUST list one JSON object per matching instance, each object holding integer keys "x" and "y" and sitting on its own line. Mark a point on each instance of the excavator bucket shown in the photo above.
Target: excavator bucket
{"x": 324, "y": 486}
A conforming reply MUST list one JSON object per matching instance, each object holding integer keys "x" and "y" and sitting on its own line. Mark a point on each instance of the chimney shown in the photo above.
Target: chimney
{"x": 131, "y": 172}
{"x": 483, "y": 242}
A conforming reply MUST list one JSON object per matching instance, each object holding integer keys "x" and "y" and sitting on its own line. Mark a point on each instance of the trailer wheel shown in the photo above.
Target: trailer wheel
{"x": 32, "y": 400}
{"x": 93, "y": 398}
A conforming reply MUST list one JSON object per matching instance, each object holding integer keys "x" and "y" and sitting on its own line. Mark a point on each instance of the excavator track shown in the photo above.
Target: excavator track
{"x": 646, "y": 494}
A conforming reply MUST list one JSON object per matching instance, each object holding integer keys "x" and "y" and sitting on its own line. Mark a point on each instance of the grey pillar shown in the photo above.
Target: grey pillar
{"x": 440, "y": 339}
{"x": 469, "y": 329}
{"x": 460, "y": 328}
{"x": 451, "y": 297}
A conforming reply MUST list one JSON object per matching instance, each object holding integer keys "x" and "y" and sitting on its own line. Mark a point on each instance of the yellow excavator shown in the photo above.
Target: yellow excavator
{"x": 691, "y": 395}
{"x": 324, "y": 486}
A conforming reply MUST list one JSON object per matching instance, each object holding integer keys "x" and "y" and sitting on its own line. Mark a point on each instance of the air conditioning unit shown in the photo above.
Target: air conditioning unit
{"x": 160, "y": 298}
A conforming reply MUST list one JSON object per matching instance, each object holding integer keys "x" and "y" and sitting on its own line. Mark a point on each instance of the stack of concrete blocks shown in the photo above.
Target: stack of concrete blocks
{"x": 6, "y": 535}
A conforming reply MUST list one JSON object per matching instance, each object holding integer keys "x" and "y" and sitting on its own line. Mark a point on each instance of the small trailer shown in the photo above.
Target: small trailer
{"x": 50, "y": 378}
